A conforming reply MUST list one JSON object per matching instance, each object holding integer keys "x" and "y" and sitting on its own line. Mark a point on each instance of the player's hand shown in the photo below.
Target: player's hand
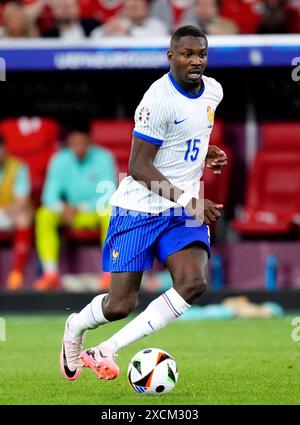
{"x": 212, "y": 211}
{"x": 68, "y": 214}
{"x": 204, "y": 210}
{"x": 215, "y": 159}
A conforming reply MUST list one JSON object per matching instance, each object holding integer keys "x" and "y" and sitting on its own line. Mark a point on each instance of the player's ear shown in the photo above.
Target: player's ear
{"x": 169, "y": 54}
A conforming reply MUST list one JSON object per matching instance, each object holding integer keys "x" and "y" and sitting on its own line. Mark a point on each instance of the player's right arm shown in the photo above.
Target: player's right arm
{"x": 142, "y": 169}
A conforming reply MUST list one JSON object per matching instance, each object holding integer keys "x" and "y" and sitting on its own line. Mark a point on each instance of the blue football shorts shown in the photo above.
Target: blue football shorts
{"x": 135, "y": 239}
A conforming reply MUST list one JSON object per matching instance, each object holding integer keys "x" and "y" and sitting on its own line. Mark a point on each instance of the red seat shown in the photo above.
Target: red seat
{"x": 280, "y": 136}
{"x": 115, "y": 135}
{"x": 33, "y": 140}
{"x": 273, "y": 195}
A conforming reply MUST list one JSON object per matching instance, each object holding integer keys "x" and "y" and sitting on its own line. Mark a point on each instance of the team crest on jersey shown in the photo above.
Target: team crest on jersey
{"x": 210, "y": 116}
{"x": 115, "y": 255}
{"x": 144, "y": 116}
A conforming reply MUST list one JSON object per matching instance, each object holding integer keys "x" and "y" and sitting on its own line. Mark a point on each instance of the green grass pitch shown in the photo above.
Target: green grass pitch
{"x": 220, "y": 362}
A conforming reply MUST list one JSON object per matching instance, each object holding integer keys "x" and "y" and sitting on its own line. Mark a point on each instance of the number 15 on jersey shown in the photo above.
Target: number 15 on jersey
{"x": 192, "y": 150}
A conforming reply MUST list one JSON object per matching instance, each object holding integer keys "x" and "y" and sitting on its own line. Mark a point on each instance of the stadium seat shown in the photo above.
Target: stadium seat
{"x": 114, "y": 135}
{"x": 273, "y": 195}
{"x": 33, "y": 140}
{"x": 280, "y": 136}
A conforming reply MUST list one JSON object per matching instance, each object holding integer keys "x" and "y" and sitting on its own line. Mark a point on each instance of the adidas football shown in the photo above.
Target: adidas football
{"x": 152, "y": 371}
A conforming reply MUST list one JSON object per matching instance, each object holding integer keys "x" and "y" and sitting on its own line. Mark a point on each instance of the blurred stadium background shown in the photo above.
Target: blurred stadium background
{"x": 94, "y": 64}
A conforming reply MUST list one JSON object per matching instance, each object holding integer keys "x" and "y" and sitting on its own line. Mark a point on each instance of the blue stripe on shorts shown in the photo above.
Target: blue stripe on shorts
{"x": 134, "y": 239}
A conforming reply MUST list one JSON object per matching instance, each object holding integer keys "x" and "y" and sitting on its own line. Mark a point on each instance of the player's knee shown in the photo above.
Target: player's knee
{"x": 118, "y": 310}
{"x": 201, "y": 286}
{"x": 192, "y": 287}
{"x": 196, "y": 288}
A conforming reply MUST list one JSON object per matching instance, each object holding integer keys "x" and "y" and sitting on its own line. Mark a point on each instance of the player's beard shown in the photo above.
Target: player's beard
{"x": 193, "y": 86}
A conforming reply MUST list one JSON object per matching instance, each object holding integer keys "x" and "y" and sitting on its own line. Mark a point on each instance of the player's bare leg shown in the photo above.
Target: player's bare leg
{"x": 188, "y": 268}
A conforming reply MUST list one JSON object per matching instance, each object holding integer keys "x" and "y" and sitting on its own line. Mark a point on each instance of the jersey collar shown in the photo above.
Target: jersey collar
{"x": 184, "y": 92}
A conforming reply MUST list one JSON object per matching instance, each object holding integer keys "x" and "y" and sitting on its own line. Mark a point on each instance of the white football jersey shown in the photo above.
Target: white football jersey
{"x": 180, "y": 123}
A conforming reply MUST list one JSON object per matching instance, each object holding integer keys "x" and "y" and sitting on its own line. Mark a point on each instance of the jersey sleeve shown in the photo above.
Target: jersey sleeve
{"x": 217, "y": 91}
{"x": 151, "y": 119}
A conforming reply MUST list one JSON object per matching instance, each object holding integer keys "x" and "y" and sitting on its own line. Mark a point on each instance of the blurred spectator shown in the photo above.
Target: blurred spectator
{"x": 132, "y": 20}
{"x": 274, "y": 18}
{"x": 34, "y": 8}
{"x": 205, "y": 15}
{"x": 15, "y": 213}
{"x": 67, "y": 22}
{"x": 262, "y": 16}
{"x": 16, "y": 23}
{"x": 100, "y": 9}
{"x": 33, "y": 140}
{"x": 170, "y": 11}
{"x": 69, "y": 199}
{"x": 247, "y": 14}
{"x": 293, "y": 15}
{"x": 40, "y": 12}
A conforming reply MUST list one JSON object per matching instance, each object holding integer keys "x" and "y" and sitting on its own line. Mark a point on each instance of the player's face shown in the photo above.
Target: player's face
{"x": 79, "y": 143}
{"x": 188, "y": 60}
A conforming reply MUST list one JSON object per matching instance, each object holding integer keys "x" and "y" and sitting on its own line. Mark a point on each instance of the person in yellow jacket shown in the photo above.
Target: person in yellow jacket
{"x": 70, "y": 199}
{"x": 15, "y": 213}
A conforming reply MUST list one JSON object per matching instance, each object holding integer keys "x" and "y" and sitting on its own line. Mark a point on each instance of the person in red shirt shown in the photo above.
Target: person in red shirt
{"x": 16, "y": 213}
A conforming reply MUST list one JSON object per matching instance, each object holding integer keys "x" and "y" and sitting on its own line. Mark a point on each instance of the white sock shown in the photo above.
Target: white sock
{"x": 90, "y": 317}
{"x": 161, "y": 311}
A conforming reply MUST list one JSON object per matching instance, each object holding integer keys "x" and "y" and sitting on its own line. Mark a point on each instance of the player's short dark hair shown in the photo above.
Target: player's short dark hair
{"x": 187, "y": 31}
